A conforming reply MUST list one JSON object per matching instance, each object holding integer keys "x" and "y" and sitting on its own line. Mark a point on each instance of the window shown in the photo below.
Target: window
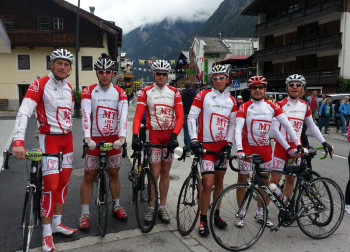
{"x": 58, "y": 23}
{"x": 44, "y": 24}
{"x": 23, "y": 62}
{"x": 9, "y": 22}
{"x": 48, "y": 62}
{"x": 86, "y": 63}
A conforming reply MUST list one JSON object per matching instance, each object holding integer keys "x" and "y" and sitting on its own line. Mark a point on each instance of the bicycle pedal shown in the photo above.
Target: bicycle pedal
{"x": 274, "y": 229}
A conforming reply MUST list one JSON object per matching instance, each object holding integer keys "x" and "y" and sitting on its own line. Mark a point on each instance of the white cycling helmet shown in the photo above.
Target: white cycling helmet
{"x": 161, "y": 65}
{"x": 62, "y": 54}
{"x": 296, "y": 77}
{"x": 104, "y": 63}
{"x": 219, "y": 69}
{"x": 239, "y": 97}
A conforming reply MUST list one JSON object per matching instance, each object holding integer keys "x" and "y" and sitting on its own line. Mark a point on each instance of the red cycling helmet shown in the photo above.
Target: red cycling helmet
{"x": 254, "y": 80}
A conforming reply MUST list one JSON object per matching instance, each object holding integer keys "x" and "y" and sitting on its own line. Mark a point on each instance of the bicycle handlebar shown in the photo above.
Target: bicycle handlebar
{"x": 312, "y": 152}
{"x": 101, "y": 144}
{"x": 7, "y": 154}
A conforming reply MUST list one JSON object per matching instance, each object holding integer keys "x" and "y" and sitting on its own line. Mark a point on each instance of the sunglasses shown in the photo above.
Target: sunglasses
{"x": 257, "y": 87}
{"x": 295, "y": 85}
{"x": 104, "y": 72}
{"x": 161, "y": 74}
{"x": 219, "y": 78}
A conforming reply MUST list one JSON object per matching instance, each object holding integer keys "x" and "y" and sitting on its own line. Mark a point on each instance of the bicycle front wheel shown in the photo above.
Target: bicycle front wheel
{"x": 29, "y": 219}
{"x": 242, "y": 230}
{"x": 187, "y": 210}
{"x": 321, "y": 208}
{"x": 102, "y": 201}
{"x": 146, "y": 201}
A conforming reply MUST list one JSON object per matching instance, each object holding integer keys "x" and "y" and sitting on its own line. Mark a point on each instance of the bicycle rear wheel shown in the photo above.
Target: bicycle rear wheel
{"x": 242, "y": 229}
{"x": 321, "y": 206}
{"x": 146, "y": 199}
{"x": 28, "y": 218}
{"x": 102, "y": 201}
{"x": 187, "y": 210}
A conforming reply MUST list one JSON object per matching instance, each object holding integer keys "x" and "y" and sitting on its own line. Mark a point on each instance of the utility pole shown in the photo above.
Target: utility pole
{"x": 77, "y": 49}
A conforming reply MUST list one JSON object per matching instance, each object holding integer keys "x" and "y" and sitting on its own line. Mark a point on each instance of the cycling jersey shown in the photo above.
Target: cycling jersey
{"x": 54, "y": 103}
{"x": 101, "y": 110}
{"x": 215, "y": 112}
{"x": 164, "y": 109}
{"x": 297, "y": 111}
{"x": 253, "y": 124}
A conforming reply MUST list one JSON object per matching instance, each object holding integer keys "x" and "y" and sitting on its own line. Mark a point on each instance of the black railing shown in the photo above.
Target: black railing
{"x": 322, "y": 8}
{"x": 311, "y": 74}
{"x": 332, "y": 40}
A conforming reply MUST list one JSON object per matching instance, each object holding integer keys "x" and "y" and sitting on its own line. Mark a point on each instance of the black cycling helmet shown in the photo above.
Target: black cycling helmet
{"x": 104, "y": 63}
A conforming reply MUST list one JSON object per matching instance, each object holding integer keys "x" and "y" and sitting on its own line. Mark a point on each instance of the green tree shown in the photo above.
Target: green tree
{"x": 344, "y": 85}
{"x": 77, "y": 103}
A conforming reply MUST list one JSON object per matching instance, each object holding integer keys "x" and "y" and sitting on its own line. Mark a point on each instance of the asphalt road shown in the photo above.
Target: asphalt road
{"x": 12, "y": 183}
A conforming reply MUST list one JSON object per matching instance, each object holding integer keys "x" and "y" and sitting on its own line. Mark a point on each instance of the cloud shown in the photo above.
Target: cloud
{"x": 130, "y": 14}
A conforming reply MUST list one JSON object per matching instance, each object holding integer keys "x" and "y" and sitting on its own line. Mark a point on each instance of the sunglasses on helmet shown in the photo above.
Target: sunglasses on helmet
{"x": 161, "y": 74}
{"x": 104, "y": 72}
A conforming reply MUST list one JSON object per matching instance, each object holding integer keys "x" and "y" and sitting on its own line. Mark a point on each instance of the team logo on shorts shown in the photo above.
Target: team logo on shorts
{"x": 52, "y": 164}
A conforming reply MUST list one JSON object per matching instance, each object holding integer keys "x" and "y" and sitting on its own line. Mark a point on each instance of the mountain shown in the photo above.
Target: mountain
{"x": 160, "y": 40}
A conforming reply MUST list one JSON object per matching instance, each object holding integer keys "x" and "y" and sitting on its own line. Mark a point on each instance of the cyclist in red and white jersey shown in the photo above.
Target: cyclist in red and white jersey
{"x": 297, "y": 112}
{"x": 164, "y": 121}
{"x": 52, "y": 97}
{"x": 102, "y": 105}
{"x": 215, "y": 111}
{"x": 252, "y": 133}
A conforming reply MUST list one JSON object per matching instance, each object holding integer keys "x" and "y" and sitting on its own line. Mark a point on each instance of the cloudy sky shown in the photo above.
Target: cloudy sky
{"x": 130, "y": 14}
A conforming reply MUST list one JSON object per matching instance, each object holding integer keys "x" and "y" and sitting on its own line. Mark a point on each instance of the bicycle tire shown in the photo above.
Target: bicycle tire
{"x": 321, "y": 206}
{"x": 29, "y": 219}
{"x": 146, "y": 196}
{"x": 235, "y": 238}
{"x": 102, "y": 201}
{"x": 188, "y": 204}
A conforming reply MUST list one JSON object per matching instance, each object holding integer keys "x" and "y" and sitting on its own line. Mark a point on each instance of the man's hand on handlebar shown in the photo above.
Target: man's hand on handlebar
{"x": 136, "y": 144}
{"x": 19, "y": 152}
{"x": 196, "y": 146}
{"x": 328, "y": 148}
{"x": 119, "y": 143}
{"x": 173, "y": 143}
{"x": 91, "y": 143}
{"x": 227, "y": 148}
{"x": 241, "y": 155}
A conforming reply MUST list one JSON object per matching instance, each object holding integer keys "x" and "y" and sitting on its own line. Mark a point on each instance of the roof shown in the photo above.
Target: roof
{"x": 256, "y": 7}
{"x": 214, "y": 45}
{"x": 234, "y": 58}
{"x": 108, "y": 26}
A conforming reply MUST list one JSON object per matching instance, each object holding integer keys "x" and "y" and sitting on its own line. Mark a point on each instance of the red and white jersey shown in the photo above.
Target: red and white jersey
{"x": 101, "y": 110}
{"x": 253, "y": 123}
{"x": 216, "y": 113}
{"x": 164, "y": 109}
{"x": 54, "y": 103}
{"x": 297, "y": 111}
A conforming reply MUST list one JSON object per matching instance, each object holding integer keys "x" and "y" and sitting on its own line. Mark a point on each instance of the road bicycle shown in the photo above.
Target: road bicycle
{"x": 144, "y": 187}
{"x": 317, "y": 205}
{"x": 103, "y": 196}
{"x": 31, "y": 208}
{"x": 188, "y": 204}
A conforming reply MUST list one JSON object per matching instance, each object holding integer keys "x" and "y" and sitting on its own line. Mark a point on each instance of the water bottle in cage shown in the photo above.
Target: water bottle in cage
{"x": 276, "y": 191}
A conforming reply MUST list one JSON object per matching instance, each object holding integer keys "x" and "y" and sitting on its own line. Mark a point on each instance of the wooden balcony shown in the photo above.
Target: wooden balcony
{"x": 318, "y": 10}
{"x": 41, "y": 38}
{"x": 299, "y": 48}
{"x": 313, "y": 77}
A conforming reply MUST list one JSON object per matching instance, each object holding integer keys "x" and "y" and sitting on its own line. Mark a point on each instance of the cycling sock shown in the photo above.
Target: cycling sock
{"x": 160, "y": 207}
{"x": 259, "y": 210}
{"x": 217, "y": 212}
{"x": 203, "y": 218}
{"x": 56, "y": 220}
{"x": 47, "y": 230}
{"x": 115, "y": 202}
{"x": 85, "y": 209}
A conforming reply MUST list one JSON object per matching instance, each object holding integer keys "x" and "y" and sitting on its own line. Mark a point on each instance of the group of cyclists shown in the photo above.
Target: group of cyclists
{"x": 214, "y": 123}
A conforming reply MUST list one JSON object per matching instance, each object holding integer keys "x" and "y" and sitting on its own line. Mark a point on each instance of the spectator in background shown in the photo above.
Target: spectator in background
{"x": 280, "y": 97}
{"x": 322, "y": 100}
{"x": 325, "y": 114}
{"x": 239, "y": 101}
{"x": 313, "y": 103}
{"x": 347, "y": 190}
{"x": 337, "y": 114}
{"x": 271, "y": 99}
{"x": 187, "y": 95}
{"x": 344, "y": 110}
